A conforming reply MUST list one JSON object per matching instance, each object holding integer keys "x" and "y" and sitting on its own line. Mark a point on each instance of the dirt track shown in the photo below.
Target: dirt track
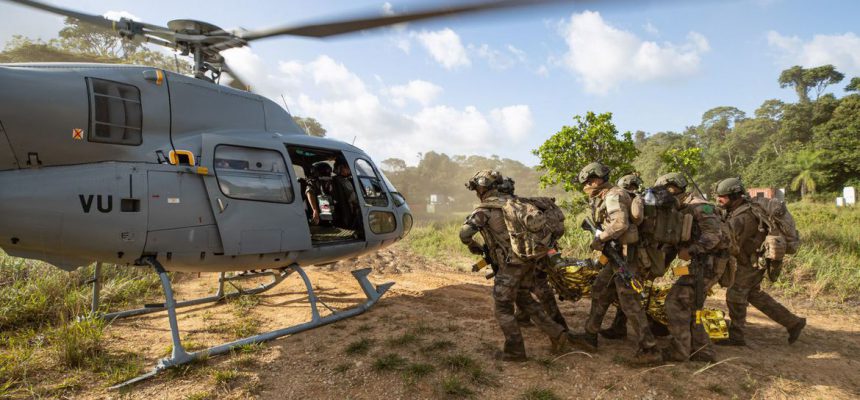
{"x": 433, "y": 316}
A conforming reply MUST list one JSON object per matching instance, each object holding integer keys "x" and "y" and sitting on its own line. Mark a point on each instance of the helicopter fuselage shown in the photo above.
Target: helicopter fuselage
{"x": 113, "y": 163}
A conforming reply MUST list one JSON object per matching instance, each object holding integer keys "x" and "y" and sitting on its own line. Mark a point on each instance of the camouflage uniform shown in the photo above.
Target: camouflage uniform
{"x": 611, "y": 210}
{"x": 686, "y": 336}
{"x": 747, "y": 286}
{"x": 515, "y": 277}
{"x": 546, "y": 297}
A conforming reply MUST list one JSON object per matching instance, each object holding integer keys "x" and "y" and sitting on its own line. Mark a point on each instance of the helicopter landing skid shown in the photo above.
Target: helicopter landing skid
{"x": 278, "y": 276}
{"x": 179, "y": 356}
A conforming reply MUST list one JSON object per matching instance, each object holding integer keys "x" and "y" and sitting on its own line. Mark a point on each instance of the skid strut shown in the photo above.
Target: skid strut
{"x": 179, "y": 356}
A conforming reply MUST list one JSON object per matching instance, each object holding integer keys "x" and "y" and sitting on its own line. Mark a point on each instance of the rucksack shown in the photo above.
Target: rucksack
{"x": 663, "y": 222}
{"x": 534, "y": 223}
{"x": 782, "y": 235}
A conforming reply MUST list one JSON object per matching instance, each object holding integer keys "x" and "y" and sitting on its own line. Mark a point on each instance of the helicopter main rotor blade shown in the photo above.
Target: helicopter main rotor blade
{"x": 96, "y": 20}
{"x": 359, "y": 24}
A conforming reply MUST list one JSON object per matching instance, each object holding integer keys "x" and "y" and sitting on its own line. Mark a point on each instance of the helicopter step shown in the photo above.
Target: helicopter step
{"x": 179, "y": 356}
{"x": 277, "y": 276}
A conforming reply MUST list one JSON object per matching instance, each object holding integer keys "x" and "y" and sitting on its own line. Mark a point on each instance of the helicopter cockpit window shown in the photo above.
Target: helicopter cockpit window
{"x": 371, "y": 185}
{"x": 117, "y": 116}
{"x": 252, "y": 174}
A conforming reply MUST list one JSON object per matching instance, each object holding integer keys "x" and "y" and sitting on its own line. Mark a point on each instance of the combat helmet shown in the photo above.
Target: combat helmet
{"x": 594, "y": 170}
{"x": 630, "y": 182}
{"x": 321, "y": 169}
{"x": 486, "y": 178}
{"x": 672, "y": 178}
{"x": 507, "y": 186}
{"x": 730, "y": 186}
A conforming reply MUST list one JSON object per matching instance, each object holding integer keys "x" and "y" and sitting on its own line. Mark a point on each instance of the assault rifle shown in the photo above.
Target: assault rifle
{"x": 702, "y": 261}
{"x": 613, "y": 253}
{"x": 484, "y": 262}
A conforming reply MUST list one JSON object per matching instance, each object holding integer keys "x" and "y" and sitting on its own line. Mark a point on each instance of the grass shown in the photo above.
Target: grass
{"x": 437, "y": 346}
{"x": 826, "y": 262}
{"x": 359, "y": 347}
{"x": 389, "y": 362}
{"x": 437, "y": 240}
{"x": 406, "y": 339}
{"x": 416, "y": 371}
{"x": 470, "y": 368}
{"x": 78, "y": 343}
{"x": 454, "y": 387}
{"x": 537, "y": 393}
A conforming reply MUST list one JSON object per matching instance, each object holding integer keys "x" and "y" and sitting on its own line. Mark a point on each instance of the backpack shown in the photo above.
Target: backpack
{"x": 782, "y": 235}
{"x": 663, "y": 222}
{"x": 534, "y": 223}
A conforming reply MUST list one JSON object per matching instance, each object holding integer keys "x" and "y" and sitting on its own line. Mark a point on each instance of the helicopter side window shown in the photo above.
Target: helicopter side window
{"x": 117, "y": 116}
{"x": 371, "y": 185}
{"x": 252, "y": 174}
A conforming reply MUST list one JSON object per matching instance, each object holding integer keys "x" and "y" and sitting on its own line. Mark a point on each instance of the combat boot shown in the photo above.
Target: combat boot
{"x": 561, "y": 344}
{"x": 618, "y": 329}
{"x": 514, "y": 350}
{"x": 649, "y": 356}
{"x": 585, "y": 340}
{"x": 794, "y": 331}
{"x": 505, "y": 356}
{"x": 731, "y": 341}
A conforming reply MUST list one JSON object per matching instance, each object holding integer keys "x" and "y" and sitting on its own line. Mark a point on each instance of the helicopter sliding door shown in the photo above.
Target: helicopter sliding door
{"x": 255, "y": 199}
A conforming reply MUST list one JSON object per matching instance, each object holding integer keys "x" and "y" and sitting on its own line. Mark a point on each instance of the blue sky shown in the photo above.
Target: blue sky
{"x": 503, "y": 83}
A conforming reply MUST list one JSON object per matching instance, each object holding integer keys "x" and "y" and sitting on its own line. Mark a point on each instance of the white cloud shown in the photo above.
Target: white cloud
{"x": 445, "y": 47}
{"x": 650, "y": 28}
{"x": 499, "y": 59}
{"x": 116, "y": 15}
{"x": 422, "y": 92}
{"x": 603, "y": 56}
{"x": 349, "y": 108}
{"x": 542, "y": 71}
{"x": 515, "y": 121}
{"x": 387, "y": 9}
{"x": 843, "y": 51}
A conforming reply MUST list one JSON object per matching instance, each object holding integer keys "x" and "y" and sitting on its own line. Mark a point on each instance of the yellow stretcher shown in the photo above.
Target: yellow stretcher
{"x": 573, "y": 282}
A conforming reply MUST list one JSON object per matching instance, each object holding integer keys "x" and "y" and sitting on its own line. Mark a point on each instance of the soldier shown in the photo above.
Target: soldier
{"x": 541, "y": 288}
{"x": 687, "y": 336}
{"x": 610, "y": 207}
{"x": 515, "y": 277}
{"x": 632, "y": 184}
{"x": 746, "y": 289}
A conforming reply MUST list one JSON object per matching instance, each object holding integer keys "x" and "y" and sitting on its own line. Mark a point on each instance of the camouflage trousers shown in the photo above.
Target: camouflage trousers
{"x": 546, "y": 296}
{"x": 513, "y": 285}
{"x": 687, "y": 337}
{"x": 607, "y": 287}
{"x": 747, "y": 290}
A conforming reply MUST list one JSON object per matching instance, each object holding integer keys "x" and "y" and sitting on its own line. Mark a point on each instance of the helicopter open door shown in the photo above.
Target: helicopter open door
{"x": 253, "y": 195}
{"x": 378, "y": 205}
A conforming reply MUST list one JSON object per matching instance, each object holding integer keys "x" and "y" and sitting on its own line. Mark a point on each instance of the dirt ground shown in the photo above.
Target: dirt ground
{"x": 440, "y": 323}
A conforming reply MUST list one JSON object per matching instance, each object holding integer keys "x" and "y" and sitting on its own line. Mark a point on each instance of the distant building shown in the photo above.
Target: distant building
{"x": 768, "y": 193}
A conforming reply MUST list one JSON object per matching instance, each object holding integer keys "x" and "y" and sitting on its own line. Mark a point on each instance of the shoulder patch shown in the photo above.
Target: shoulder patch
{"x": 708, "y": 209}
{"x": 613, "y": 202}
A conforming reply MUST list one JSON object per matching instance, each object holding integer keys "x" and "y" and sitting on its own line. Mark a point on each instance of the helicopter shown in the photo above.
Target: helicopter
{"x": 142, "y": 167}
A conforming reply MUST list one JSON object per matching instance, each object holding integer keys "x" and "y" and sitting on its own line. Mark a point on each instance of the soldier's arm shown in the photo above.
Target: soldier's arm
{"x": 617, "y": 210}
{"x": 709, "y": 228}
{"x": 473, "y": 224}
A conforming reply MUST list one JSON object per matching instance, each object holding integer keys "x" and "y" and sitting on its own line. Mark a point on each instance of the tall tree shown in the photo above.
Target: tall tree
{"x": 593, "y": 138}
{"x": 854, "y": 85}
{"x": 803, "y": 80}
{"x": 805, "y": 164}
